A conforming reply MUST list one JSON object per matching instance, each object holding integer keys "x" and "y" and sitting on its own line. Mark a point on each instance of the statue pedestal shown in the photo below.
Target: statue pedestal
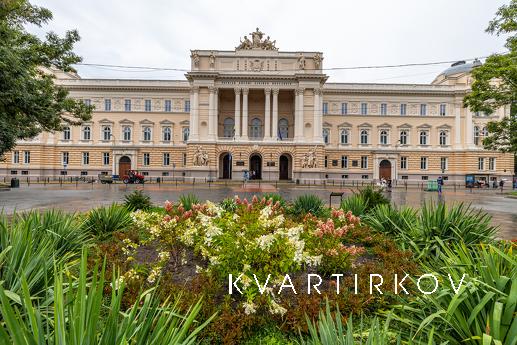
{"x": 201, "y": 173}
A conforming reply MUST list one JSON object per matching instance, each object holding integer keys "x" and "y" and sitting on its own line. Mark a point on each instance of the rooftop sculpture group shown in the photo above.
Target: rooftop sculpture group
{"x": 257, "y": 42}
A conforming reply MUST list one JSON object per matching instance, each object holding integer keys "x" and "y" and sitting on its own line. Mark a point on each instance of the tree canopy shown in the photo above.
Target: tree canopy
{"x": 495, "y": 83}
{"x": 30, "y": 101}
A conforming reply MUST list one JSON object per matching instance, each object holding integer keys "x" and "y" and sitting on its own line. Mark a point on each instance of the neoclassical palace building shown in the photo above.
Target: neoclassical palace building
{"x": 259, "y": 109}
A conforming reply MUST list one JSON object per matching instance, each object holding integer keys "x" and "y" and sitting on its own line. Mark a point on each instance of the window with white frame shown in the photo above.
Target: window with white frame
{"x": 384, "y": 137}
{"x": 146, "y": 133}
{"x": 106, "y": 158}
{"x": 147, "y": 105}
{"x": 86, "y": 158}
{"x": 344, "y": 136}
{"x": 228, "y": 127}
{"x": 403, "y": 163}
{"x": 476, "y": 135}
{"x": 166, "y": 159}
{"x": 403, "y": 137}
{"x": 65, "y": 158}
{"x": 423, "y": 163}
{"x": 424, "y": 136}
{"x": 403, "y": 109}
{"x": 384, "y": 109}
{"x": 187, "y": 106}
{"x": 66, "y": 133}
{"x": 443, "y": 138}
{"x": 326, "y": 136}
{"x": 364, "y": 162}
{"x": 283, "y": 128}
{"x": 146, "y": 159}
{"x": 16, "y": 157}
{"x": 127, "y": 105}
{"x": 364, "y": 108}
{"x": 106, "y": 133}
{"x": 344, "y": 108}
{"x": 87, "y": 133}
{"x": 481, "y": 163}
{"x": 484, "y": 132}
{"x": 344, "y": 162}
{"x": 185, "y": 133}
{"x": 325, "y": 109}
{"x": 167, "y": 105}
{"x": 444, "y": 163}
{"x": 364, "y": 137}
{"x": 107, "y": 104}
{"x": 126, "y": 133}
{"x": 443, "y": 109}
{"x": 26, "y": 157}
{"x": 166, "y": 134}
{"x": 423, "y": 109}
{"x": 491, "y": 163}
{"x": 256, "y": 128}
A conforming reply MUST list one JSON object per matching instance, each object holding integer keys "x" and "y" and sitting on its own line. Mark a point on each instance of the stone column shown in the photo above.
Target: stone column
{"x": 274, "y": 132}
{"x": 457, "y": 125}
{"x": 298, "y": 122}
{"x": 216, "y": 113}
{"x": 317, "y": 121}
{"x": 237, "y": 115}
{"x": 245, "y": 92}
{"x": 194, "y": 114}
{"x": 267, "y": 115}
{"x": 211, "y": 110}
{"x": 469, "y": 129}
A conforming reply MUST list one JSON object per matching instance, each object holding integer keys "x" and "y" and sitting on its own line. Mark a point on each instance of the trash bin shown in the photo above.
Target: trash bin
{"x": 15, "y": 183}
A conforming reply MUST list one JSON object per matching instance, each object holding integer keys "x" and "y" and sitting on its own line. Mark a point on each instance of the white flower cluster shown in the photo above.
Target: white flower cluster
{"x": 214, "y": 209}
{"x": 249, "y": 308}
{"x": 275, "y": 308}
{"x": 265, "y": 241}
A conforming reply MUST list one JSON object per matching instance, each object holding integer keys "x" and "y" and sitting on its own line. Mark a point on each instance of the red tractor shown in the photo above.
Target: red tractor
{"x": 133, "y": 177}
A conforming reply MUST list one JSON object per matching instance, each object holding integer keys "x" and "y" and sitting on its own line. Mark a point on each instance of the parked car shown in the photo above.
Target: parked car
{"x": 133, "y": 177}
{"x": 103, "y": 178}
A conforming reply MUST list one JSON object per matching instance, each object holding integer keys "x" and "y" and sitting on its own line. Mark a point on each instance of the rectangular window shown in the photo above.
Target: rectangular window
{"x": 16, "y": 157}
{"x": 166, "y": 159}
{"x": 403, "y": 109}
{"x": 86, "y": 158}
{"x": 364, "y": 177}
{"x": 84, "y": 173}
{"x": 187, "y": 106}
{"x": 14, "y": 172}
{"x": 25, "y": 172}
{"x": 344, "y": 108}
{"x": 364, "y": 108}
{"x": 481, "y": 163}
{"x": 491, "y": 163}
{"x": 364, "y": 162}
{"x": 326, "y": 161}
{"x": 147, "y": 159}
{"x": 344, "y": 162}
{"x": 444, "y": 163}
{"x": 107, "y": 105}
{"x": 106, "y": 158}
{"x": 325, "y": 109}
{"x": 65, "y": 158}
{"x": 147, "y": 105}
{"x": 127, "y": 105}
{"x": 403, "y": 163}
{"x": 443, "y": 109}
{"x": 87, "y": 102}
{"x": 423, "y": 109}
{"x": 384, "y": 109}
{"x": 184, "y": 160}
{"x": 425, "y": 178}
{"x": 423, "y": 163}
{"x": 165, "y": 173}
{"x": 168, "y": 106}
{"x": 26, "y": 157}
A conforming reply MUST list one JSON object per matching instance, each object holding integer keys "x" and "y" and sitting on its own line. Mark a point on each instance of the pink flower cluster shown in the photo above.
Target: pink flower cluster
{"x": 168, "y": 218}
{"x": 329, "y": 228}
{"x": 255, "y": 201}
{"x": 351, "y": 250}
{"x": 349, "y": 216}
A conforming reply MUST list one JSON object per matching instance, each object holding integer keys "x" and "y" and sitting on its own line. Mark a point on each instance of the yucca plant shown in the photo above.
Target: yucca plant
{"x": 228, "y": 204}
{"x": 308, "y": 203}
{"x": 81, "y": 314}
{"x": 188, "y": 200}
{"x": 103, "y": 221}
{"x": 354, "y": 203}
{"x": 137, "y": 200}
{"x": 372, "y": 197}
{"x": 392, "y": 221}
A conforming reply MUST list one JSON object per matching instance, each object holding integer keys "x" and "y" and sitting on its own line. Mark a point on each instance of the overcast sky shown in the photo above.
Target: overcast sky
{"x": 349, "y": 33}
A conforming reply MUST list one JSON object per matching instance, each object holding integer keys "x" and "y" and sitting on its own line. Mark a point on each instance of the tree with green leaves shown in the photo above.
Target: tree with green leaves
{"x": 30, "y": 101}
{"x": 495, "y": 83}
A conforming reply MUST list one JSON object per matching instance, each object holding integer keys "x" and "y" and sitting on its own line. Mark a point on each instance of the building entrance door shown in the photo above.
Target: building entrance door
{"x": 227, "y": 166}
{"x": 255, "y": 167}
{"x": 385, "y": 169}
{"x": 284, "y": 168}
{"x": 124, "y": 165}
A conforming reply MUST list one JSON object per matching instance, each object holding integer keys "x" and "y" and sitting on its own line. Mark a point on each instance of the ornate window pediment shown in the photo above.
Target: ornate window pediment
{"x": 444, "y": 126}
{"x": 146, "y": 122}
{"x": 126, "y": 121}
{"x": 405, "y": 125}
{"x": 345, "y": 124}
{"x": 106, "y": 121}
{"x": 326, "y": 124}
{"x": 362, "y": 125}
{"x": 166, "y": 122}
{"x": 384, "y": 125}
{"x": 185, "y": 123}
{"x": 424, "y": 126}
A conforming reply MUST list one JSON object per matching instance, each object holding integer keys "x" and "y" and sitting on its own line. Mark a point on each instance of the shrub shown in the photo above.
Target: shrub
{"x": 354, "y": 203}
{"x": 188, "y": 200}
{"x": 372, "y": 197}
{"x": 308, "y": 203}
{"x": 228, "y": 205}
{"x": 137, "y": 200}
{"x": 104, "y": 221}
{"x": 392, "y": 221}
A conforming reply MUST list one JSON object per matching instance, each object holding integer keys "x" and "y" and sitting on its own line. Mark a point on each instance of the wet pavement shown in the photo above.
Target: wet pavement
{"x": 85, "y": 196}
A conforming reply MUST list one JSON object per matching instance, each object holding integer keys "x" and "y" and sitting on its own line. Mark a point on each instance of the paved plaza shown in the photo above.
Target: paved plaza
{"x": 82, "y": 197}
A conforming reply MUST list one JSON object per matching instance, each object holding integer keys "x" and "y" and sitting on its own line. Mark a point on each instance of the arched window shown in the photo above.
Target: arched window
{"x": 384, "y": 137}
{"x": 106, "y": 133}
{"x": 228, "y": 127}
{"x": 147, "y": 133}
{"x": 423, "y": 137}
{"x": 87, "y": 133}
{"x": 403, "y": 137}
{"x": 283, "y": 129}
{"x": 256, "y": 128}
{"x": 126, "y": 133}
{"x": 484, "y": 132}
{"x": 326, "y": 135}
{"x": 185, "y": 133}
{"x": 364, "y": 137}
{"x": 476, "y": 135}
{"x": 66, "y": 133}
{"x": 344, "y": 136}
{"x": 443, "y": 138}
{"x": 167, "y": 134}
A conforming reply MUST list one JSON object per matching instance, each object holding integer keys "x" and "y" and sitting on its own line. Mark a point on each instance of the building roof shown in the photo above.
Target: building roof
{"x": 461, "y": 67}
